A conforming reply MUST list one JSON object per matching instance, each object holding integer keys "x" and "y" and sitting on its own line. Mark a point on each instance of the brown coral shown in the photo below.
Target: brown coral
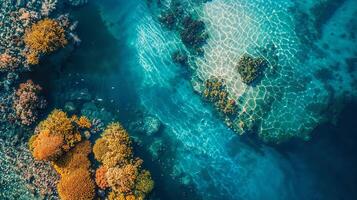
{"x": 27, "y": 102}
{"x": 76, "y": 185}
{"x": 216, "y": 92}
{"x": 100, "y": 177}
{"x": 43, "y": 37}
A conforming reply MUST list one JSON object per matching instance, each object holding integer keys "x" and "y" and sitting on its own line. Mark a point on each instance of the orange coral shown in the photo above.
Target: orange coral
{"x": 44, "y": 36}
{"x": 58, "y": 139}
{"x": 76, "y": 185}
{"x": 47, "y": 146}
{"x": 76, "y": 182}
{"x": 100, "y": 178}
{"x": 74, "y": 159}
{"x": 84, "y": 122}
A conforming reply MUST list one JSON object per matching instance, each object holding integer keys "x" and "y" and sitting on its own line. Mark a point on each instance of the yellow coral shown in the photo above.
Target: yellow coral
{"x": 113, "y": 195}
{"x": 57, "y": 122}
{"x": 45, "y": 36}
{"x": 100, "y": 148}
{"x": 144, "y": 183}
{"x": 84, "y": 122}
{"x": 32, "y": 58}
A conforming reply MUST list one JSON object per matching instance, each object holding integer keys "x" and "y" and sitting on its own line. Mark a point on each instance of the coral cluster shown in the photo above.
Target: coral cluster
{"x": 59, "y": 139}
{"x": 43, "y": 37}
{"x": 17, "y": 20}
{"x": 28, "y": 29}
{"x": 76, "y": 181}
{"x": 193, "y": 34}
{"x": 28, "y": 102}
{"x": 191, "y": 30}
{"x": 180, "y": 58}
{"x": 121, "y": 172}
{"x": 23, "y": 30}
{"x": 100, "y": 178}
{"x": 250, "y": 68}
{"x": 55, "y": 135}
{"x": 215, "y": 92}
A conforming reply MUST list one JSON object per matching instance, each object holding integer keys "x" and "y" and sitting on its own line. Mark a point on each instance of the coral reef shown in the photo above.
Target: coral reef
{"x": 119, "y": 145}
{"x": 58, "y": 139}
{"x": 45, "y": 36}
{"x": 180, "y": 58}
{"x": 17, "y": 19}
{"x": 216, "y": 92}
{"x": 23, "y": 175}
{"x": 59, "y": 124}
{"x": 193, "y": 34}
{"x": 123, "y": 175}
{"x": 191, "y": 30}
{"x": 250, "y": 68}
{"x": 28, "y": 102}
{"x": 74, "y": 159}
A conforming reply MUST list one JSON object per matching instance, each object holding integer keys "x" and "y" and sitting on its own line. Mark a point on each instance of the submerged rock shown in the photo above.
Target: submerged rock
{"x": 148, "y": 125}
{"x": 155, "y": 148}
{"x": 93, "y": 112}
{"x": 69, "y": 107}
{"x": 151, "y": 125}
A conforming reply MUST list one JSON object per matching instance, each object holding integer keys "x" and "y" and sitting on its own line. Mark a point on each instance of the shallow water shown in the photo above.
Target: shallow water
{"x": 125, "y": 62}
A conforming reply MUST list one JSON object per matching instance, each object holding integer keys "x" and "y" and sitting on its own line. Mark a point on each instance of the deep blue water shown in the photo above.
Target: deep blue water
{"x": 200, "y": 157}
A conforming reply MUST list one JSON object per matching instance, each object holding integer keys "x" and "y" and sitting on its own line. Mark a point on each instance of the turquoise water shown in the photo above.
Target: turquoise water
{"x": 125, "y": 63}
